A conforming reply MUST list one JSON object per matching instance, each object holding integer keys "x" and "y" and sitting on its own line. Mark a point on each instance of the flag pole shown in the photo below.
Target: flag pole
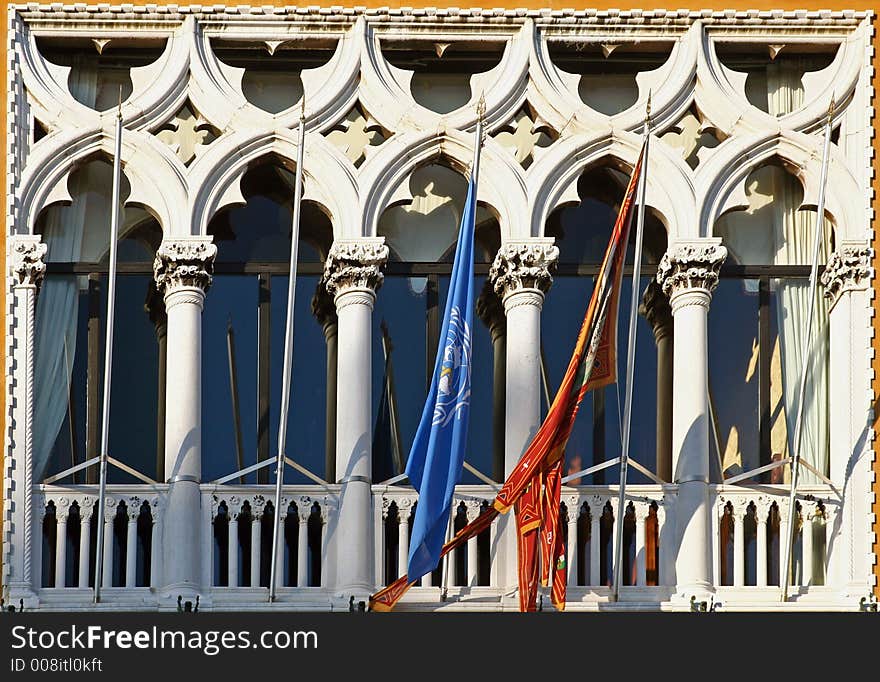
{"x": 805, "y": 350}
{"x": 288, "y": 351}
{"x": 108, "y": 346}
{"x": 630, "y": 360}
{"x": 475, "y": 173}
{"x": 233, "y": 393}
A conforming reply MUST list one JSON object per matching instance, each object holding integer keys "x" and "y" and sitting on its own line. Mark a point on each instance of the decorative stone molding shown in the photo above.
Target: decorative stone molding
{"x": 690, "y": 267}
{"x": 848, "y": 269}
{"x": 656, "y": 310}
{"x": 26, "y": 260}
{"x": 304, "y": 509}
{"x": 184, "y": 264}
{"x": 355, "y": 266}
{"x": 524, "y": 267}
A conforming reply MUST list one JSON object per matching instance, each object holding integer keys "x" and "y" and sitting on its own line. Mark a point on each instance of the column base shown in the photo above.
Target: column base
{"x": 696, "y": 597}
{"x": 167, "y": 597}
{"x": 354, "y": 599}
{"x": 20, "y": 596}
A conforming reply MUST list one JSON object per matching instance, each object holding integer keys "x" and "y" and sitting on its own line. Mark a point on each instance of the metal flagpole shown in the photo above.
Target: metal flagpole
{"x": 233, "y": 392}
{"x": 288, "y": 349}
{"x": 475, "y": 173}
{"x": 630, "y": 360}
{"x": 108, "y": 347}
{"x": 805, "y": 350}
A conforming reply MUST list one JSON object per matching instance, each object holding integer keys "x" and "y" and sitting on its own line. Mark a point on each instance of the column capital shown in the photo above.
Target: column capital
{"x": 304, "y": 509}
{"x": 184, "y": 264}
{"x": 848, "y": 269}
{"x": 133, "y": 508}
{"x": 323, "y": 307}
{"x": 524, "y": 268}
{"x": 26, "y": 253}
{"x": 87, "y": 506}
{"x": 354, "y": 266}
{"x": 62, "y": 509}
{"x": 490, "y": 310}
{"x": 688, "y": 271}
{"x": 656, "y": 310}
{"x": 110, "y": 504}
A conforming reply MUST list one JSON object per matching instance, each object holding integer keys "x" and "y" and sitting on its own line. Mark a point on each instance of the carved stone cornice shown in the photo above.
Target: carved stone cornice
{"x": 848, "y": 269}
{"x": 184, "y": 264}
{"x": 26, "y": 255}
{"x": 355, "y": 265}
{"x": 525, "y": 266}
{"x": 691, "y": 267}
{"x": 656, "y": 310}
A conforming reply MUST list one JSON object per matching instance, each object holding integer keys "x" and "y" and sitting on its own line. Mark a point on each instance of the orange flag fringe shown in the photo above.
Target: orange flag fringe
{"x": 534, "y": 487}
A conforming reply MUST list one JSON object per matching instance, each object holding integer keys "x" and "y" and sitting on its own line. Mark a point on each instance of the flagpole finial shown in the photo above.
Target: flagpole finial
{"x": 119, "y": 106}
{"x": 648, "y": 110}
{"x": 831, "y": 109}
{"x": 302, "y": 110}
{"x": 481, "y": 106}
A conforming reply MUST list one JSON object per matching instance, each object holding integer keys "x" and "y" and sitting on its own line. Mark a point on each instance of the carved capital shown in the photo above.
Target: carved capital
{"x": 26, "y": 255}
{"x": 691, "y": 268}
{"x": 323, "y": 307}
{"x": 258, "y": 504}
{"x": 304, "y": 509}
{"x": 62, "y": 509}
{"x": 642, "y": 511}
{"x": 762, "y": 509}
{"x": 656, "y": 310}
{"x": 848, "y": 269}
{"x": 597, "y": 507}
{"x": 110, "y": 509}
{"x": 86, "y": 508}
{"x": 184, "y": 264}
{"x": 133, "y": 508}
{"x": 473, "y": 508}
{"x": 355, "y": 265}
{"x": 523, "y": 266}
{"x": 490, "y": 310}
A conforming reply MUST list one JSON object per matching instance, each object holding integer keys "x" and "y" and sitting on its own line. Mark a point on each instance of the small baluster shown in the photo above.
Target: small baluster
{"x": 403, "y": 511}
{"x": 86, "y": 509}
{"x": 304, "y": 512}
{"x": 133, "y": 512}
{"x": 808, "y": 510}
{"x": 473, "y": 511}
{"x": 739, "y": 549}
{"x": 642, "y": 509}
{"x": 62, "y": 511}
{"x": 155, "y": 541}
{"x": 257, "y": 507}
{"x": 107, "y": 563}
{"x": 572, "y": 507}
{"x": 762, "y": 512}
{"x": 597, "y": 507}
{"x": 234, "y": 510}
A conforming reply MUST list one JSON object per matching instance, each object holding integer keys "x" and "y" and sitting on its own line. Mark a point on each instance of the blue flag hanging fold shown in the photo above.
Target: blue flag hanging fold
{"x": 437, "y": 454}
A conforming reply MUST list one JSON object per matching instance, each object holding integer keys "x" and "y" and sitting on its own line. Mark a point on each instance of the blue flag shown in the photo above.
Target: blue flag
{"x": 437, "y": 453}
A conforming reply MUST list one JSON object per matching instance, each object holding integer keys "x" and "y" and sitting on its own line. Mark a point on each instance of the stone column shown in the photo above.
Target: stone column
{"x": 133, "y": 512}
{"x": 106, "y": 554}
{"x": 353, "y": 274}
{"x": 183, "y": 271}
{"x": 762, "y": 512}
{"x": 688, "y": 273}
{"x": 846, "y": 281}
{"x": 656, "y": 310}
{"x": 325, "y": 313}
{"x": 491, "y": 312}
{"x": 20, "y": 528}
{"x": 520, "y": 274}
{"x": 155, "y": 308}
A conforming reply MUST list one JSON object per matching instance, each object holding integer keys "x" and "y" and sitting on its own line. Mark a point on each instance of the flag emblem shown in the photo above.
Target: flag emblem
{"x": 453, "y": 388}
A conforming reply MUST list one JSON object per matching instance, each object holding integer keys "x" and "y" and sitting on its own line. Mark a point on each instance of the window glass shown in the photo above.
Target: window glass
{"x": 734, "y": 363}
{"x": 229, "y": 318}
{"x": 307, "y": 412}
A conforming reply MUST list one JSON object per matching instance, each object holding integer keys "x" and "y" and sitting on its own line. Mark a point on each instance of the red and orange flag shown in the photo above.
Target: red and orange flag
{"x": 534, "y": 486}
